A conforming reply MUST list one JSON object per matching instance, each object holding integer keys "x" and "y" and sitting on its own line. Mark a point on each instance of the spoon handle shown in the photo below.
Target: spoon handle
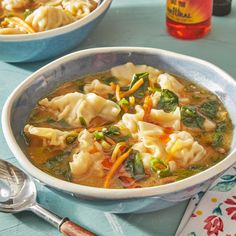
{"x": 69, "y": 228}
{"x": 64, "y": 225}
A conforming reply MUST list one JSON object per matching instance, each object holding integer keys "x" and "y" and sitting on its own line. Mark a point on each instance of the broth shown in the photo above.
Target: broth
{"x": 129, "y": 127}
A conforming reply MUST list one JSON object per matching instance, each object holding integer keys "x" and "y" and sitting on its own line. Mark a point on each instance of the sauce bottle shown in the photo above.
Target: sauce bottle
{"x": 221, "y": 7}
{"x": 188, "y": 19}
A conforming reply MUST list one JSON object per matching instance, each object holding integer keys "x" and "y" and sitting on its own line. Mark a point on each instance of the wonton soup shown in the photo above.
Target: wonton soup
{"x": 133, "y": 126}
{"x": 31, "y": 16}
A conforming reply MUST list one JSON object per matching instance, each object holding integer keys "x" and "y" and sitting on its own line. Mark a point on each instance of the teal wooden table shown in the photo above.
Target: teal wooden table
{"x": 128, "y": 23}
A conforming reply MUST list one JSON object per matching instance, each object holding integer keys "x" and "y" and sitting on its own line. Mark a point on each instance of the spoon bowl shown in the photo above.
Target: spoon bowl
{"x": 18, "y": 193}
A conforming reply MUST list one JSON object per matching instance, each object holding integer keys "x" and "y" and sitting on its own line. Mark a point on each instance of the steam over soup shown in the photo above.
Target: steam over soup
{"x": 31, "y": 16}
{"x": 132, "y": 126}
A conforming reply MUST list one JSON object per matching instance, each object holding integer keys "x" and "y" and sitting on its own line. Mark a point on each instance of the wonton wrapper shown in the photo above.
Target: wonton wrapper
{"x": 72, "y": 106}
{"x": 98, "y": 88}
{"x": 78, "y": 8}
{"x": 125, "y": 72}
{"x": 10, "y": 5}
{"x": 48, "y": 17}
{"x": 184, "y": 150}
{"x": 51, "y": 137}
{"x": 89, "y": 157}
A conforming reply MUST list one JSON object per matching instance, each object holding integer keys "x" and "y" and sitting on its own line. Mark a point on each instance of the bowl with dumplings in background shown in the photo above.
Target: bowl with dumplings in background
{"x": 87, "y": 62}
{"x": 37, "y": 30}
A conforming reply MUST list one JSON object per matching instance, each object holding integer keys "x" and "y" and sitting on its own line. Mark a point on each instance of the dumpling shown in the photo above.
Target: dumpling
{"x": 51, "y": 137}
{"x": 125, "y": 72}
{"x": 184, "y": 150}
{"x": 150, "y": 145}
{"x": 10, "y": 30}
{"x": 98, "y": 88}
{"x": 149, "y": 130}
{"x": 131, "y": 120}
{"x": 14, "y": 4}
{"x": 49, "y": 2}
{"x": 78, "y": 8}
{"x": 155, "y": 98}
{"x": 48, "y": 17}
{"x": 164, "y": 119}
{"x": 15, "y": 25}
{"x": 89, "y": 157}
{"x": 167, "y": 81}
{"x": 72, "y": 106}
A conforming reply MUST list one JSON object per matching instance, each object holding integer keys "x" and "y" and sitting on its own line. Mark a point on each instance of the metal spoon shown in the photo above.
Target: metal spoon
{"x": 18, "y": 193}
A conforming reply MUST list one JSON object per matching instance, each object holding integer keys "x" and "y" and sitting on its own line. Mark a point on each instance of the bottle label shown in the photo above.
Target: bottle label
{"x": 189, "y": 11}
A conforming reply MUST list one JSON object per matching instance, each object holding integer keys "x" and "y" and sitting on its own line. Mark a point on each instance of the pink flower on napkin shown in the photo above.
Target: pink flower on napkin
{"x": 214, "y": 224}
{"x": 231, "y": 210}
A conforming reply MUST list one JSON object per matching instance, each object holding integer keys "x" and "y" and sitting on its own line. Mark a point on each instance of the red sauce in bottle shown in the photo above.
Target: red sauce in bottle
{"x": 188, "y": 19}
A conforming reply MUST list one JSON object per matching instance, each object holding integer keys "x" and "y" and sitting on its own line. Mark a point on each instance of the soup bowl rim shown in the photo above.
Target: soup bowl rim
{"x": 103, "y": 193}
{"x": 103, "y": 5}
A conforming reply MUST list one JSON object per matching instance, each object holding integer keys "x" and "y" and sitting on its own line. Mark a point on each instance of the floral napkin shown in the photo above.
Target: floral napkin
{"x": 212, "y": 213}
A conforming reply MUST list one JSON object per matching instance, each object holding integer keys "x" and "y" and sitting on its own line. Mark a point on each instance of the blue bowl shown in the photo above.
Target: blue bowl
{"x": 51, "y": 43}
{"x": 42, "y": 82}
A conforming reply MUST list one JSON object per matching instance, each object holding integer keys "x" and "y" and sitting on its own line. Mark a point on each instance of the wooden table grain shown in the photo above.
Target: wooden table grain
{"x": 128, "y": 23}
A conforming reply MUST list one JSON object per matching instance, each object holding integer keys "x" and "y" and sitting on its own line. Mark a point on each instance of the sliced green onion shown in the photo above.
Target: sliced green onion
{"x": 82, "y": 121}
{"x": 71, "y": 138}
{"x": 98, "y": 135}
{"x": 160, "y": 172}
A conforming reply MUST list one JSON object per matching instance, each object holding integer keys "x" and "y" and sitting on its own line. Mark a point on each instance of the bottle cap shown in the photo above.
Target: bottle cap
{"x": 221, "y": 7}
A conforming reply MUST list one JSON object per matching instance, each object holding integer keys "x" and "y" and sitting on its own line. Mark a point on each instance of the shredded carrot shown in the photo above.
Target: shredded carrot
{"x": 124, "y": 108}
{"x": 116, "y": 150}
{"x": 135, "y": 87}
{"x": 168, "y": 130}
{"x": 164, "y": 138}
{"x": 115, "y": 167}
{"x": 92, "y": 129}
{"x": 147, "y": 106}
{"x": 113, "y": 86}
{"x": 78, "y": 130}
{"x": 110, "y": 141}
{"x": 151, "y": 84}
{"x": 118, "y": 92}
{"x": 169, "y": 158}
{"x": 20, "y": 22}
{"x": 106, "y": 163}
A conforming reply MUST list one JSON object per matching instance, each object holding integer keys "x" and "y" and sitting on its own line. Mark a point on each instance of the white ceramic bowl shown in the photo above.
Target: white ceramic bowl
{"x": 43, "y": 81}
{"x": 50, "y": 43}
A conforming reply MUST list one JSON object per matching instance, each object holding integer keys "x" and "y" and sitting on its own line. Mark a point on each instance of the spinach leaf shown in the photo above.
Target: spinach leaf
{"x": 140, "y": 92}
{"x": 65, "y": 172}
{"x": 134, "y": 165}
{"x": 191, "y": 118}
{"x": 60, "y": 123}
{"x": 112, "y": 130}
{"x": 122, "y": 138}
{"x": 55, "y": 161}
{"x": 108, "y": 80}
{"x": 210, "y": 109}
{"x": 182, "y": 174}
{"x": 218, "y": 135}
{"x": 168, "y": 101}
